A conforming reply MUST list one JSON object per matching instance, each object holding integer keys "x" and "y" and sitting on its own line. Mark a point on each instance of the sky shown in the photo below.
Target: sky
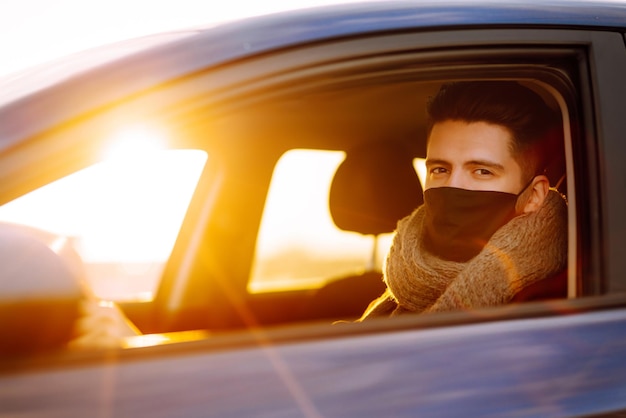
{"x": 33, "y": 32}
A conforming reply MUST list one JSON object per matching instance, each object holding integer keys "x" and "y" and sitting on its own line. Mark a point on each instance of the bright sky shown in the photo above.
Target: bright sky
{"x": 37, "y": 31}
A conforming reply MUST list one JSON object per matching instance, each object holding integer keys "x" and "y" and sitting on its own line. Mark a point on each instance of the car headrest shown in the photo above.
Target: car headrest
{"x": 374, "y": 187}
{"x": 40, "y": 290}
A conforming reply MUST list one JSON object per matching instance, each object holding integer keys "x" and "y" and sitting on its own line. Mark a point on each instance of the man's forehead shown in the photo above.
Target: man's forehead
{"x": 469, "y": 141}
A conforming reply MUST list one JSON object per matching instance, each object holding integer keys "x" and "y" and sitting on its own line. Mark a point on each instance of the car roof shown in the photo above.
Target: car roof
{"x": 136, "y": 65}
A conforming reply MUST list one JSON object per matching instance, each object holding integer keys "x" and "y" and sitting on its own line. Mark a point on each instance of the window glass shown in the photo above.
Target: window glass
{"x": 299, "y": 246}
{"x": 420, "y": 168}
{"x": 122, "y": 215}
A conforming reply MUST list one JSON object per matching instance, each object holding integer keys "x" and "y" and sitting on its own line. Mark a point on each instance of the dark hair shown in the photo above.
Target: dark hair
{"x": 534, "y": 126}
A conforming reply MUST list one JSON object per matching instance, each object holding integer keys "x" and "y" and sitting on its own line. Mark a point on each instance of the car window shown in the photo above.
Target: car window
{"x": 299, "y": 246}
{"x": 122, "y": 215}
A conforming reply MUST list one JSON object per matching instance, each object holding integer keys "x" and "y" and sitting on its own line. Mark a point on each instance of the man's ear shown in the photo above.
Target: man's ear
{"x": 536, "y": 194}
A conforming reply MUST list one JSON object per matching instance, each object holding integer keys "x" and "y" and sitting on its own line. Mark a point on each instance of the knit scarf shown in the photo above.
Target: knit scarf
{"x": 529, "y": 248}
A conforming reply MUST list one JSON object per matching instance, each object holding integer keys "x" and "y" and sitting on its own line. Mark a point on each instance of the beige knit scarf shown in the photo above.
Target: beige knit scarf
{"x": 529, "y": 248}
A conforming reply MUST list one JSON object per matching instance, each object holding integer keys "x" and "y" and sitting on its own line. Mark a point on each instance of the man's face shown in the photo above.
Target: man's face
{"x": 472, "y": 156}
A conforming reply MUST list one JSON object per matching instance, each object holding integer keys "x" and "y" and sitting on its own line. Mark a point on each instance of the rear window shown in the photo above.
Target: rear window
{"x": 299, "y": 246}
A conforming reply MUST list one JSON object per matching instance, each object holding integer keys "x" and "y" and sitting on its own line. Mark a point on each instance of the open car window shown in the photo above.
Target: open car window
{"x": 274, "y": 241}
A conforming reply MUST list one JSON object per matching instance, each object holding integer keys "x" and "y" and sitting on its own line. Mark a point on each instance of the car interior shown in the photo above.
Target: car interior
{"x": 379, "y": 128}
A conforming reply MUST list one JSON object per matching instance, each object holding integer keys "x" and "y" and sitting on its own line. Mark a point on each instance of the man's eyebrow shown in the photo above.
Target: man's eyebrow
{"x": 436, "y": 161}
{"x": 485, "y": 163}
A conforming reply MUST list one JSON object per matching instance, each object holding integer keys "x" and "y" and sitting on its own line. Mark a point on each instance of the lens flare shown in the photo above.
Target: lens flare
{"x": 135, "y": 141}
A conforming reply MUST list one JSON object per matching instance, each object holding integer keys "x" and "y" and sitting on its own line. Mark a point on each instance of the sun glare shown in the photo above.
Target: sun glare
{"x": 122, "y": 214}
{"x": 133, "y": 142}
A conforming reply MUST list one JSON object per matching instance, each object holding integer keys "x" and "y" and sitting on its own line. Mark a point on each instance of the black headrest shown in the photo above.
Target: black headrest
{"x": 374, "y": 187}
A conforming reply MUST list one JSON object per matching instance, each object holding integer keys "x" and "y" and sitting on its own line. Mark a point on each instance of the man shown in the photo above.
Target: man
{"x": 491, "y": 230}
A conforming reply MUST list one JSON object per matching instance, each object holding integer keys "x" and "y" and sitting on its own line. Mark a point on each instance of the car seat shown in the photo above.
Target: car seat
{"x": 373, "y": 188}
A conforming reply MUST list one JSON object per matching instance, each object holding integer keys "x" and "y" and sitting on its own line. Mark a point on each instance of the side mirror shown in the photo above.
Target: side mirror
{"x": 40, "y": 290}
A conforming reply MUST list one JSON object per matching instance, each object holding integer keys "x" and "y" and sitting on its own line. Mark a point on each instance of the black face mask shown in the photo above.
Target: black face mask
{"x": 460, "y": 222}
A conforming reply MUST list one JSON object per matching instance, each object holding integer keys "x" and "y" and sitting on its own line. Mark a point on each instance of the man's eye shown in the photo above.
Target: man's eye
{"x": 483, "y": 172}
{"x": 438, "y": 170}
